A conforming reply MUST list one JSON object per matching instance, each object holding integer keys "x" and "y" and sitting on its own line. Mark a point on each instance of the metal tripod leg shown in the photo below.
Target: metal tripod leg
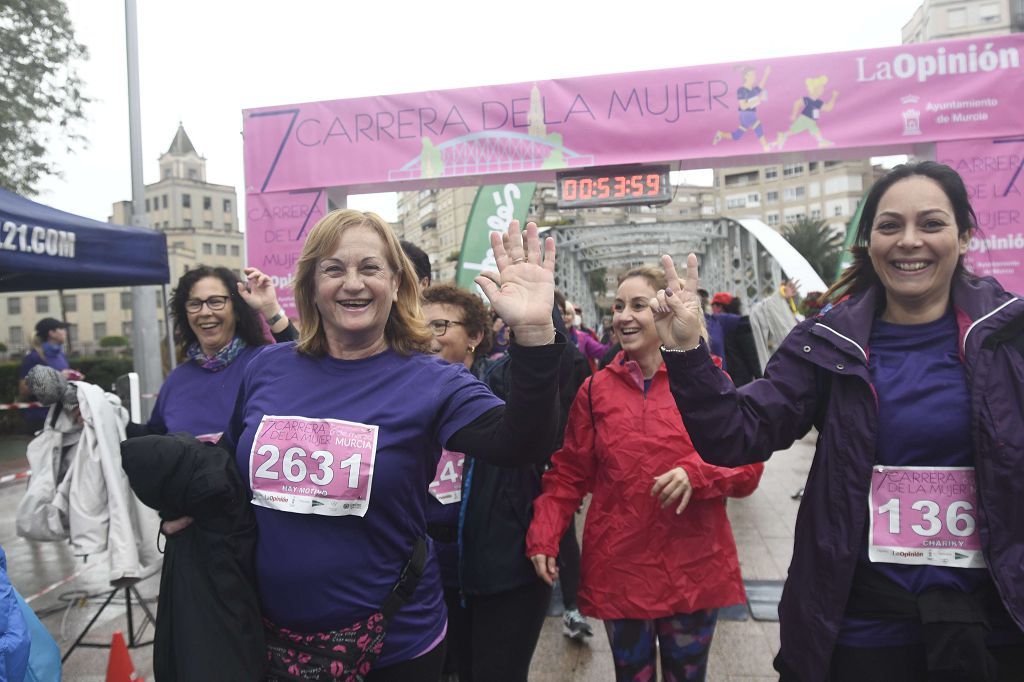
{"x": 132, "y": 635}
{"x": 148, "y": 616}
{"x": 88, "y": 627}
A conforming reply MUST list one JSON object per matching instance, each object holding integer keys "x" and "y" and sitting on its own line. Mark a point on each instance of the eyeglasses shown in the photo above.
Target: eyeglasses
{"x": 194, "y": 305}
{"x": 440, "y": 327}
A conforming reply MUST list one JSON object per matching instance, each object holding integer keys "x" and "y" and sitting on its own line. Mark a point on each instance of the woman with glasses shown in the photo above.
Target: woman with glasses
{"x": 461, "y": 326}
{"x": 505, "y": 601}
{"x": 462, "y": 336}
{"x": 218, "y": 330}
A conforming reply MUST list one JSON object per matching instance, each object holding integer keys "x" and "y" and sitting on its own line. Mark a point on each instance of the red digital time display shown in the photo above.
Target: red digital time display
{"x": 618, "y": 186}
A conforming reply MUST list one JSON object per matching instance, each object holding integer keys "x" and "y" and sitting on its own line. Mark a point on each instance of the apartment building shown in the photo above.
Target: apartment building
{"x": 948, "y": 19}
{"x": 785, "y": 193}
{"x": 200, "y": 220}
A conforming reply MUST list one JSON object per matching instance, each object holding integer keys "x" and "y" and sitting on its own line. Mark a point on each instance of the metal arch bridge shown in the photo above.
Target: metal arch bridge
{"x": 494, "y": 152}
{"x": 746, "y": 258}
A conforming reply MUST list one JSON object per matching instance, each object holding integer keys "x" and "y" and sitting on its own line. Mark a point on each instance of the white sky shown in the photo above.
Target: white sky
{"x": 202, "y": 62}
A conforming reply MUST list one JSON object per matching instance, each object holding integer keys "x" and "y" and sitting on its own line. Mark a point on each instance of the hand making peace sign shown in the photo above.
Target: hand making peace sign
{"x": 678, "y": 315}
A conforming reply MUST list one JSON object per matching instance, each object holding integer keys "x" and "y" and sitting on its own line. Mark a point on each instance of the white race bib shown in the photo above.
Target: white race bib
{"x": 447, "y": 483}
{"x": 313, "y": 466}
{"x": 924, "y": 516}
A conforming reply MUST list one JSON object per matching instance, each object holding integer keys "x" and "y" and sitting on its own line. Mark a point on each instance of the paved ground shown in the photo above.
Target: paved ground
{"x": 62, "y": 590}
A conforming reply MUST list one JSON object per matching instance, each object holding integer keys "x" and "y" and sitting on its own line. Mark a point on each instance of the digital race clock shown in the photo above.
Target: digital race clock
{"x": 614, "y": 186}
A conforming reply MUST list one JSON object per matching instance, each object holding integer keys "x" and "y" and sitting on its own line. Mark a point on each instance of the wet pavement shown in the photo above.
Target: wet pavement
{"x": 66, "y": 593}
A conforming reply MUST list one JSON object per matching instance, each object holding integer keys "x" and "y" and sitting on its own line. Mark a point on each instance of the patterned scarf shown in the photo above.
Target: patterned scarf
{"x": 224, "y": 357}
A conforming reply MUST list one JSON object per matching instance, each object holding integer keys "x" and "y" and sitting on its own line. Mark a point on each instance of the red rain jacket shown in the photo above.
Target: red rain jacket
{"x": 639, "y": 561}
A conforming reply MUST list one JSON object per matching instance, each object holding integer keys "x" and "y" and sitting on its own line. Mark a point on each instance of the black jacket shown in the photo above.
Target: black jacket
{"x": 499, "y": 500}
{"x": 208, "y": 622}
{"x": 741, "y": 354}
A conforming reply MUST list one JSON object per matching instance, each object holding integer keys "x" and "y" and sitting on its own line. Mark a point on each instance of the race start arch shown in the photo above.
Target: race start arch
{"x": 947, "y": 100}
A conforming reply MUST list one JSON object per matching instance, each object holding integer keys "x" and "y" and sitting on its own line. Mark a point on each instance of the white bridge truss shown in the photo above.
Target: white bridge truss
{"x": 731, "y": 256}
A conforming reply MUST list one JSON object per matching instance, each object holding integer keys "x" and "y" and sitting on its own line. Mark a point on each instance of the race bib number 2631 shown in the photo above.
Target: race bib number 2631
{"x": 313, "y": 466}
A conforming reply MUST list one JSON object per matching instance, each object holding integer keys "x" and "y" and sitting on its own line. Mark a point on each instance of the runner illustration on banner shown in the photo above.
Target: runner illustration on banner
{"x": 749, "y": 96}
{"x": 806, "y": 111}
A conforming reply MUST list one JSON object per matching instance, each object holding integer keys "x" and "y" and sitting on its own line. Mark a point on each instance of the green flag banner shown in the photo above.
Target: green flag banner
{"x": 493, "y": 209}
{"x": 851, "y": 236}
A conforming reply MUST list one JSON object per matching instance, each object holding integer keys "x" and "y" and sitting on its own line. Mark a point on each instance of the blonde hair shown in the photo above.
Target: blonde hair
{"x": 405, "y": 332}
{"x": 818, "y": 82}
{"x": 655, "y": 277}
{"x": 36, "y": 344}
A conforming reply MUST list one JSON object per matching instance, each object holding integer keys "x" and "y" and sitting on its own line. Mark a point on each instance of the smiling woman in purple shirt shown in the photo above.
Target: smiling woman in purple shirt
{"x": 908, "y": 549}
{"x": 339, "y": 435}
{"x": 218, "y": 331}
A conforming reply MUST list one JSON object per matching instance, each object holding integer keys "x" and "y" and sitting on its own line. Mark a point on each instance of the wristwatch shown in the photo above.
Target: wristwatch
{"x": 276, "y": 318}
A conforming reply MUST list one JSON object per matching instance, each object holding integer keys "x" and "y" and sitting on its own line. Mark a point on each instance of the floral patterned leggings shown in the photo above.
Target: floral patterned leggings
{"x": 683, "y": 644}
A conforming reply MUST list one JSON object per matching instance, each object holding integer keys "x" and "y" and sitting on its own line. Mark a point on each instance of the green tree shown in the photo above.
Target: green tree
{"x": 41, "y": 96}
{"x": 816, "y": 242}
{"x": 113, "y": 342}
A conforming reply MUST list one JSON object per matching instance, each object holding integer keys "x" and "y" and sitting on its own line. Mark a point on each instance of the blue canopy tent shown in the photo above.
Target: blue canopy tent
{"x": 42, "y": 248}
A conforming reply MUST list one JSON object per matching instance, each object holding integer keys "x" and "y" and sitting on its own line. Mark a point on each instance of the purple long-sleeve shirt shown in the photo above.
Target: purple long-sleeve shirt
{"x": 588, "y": 345}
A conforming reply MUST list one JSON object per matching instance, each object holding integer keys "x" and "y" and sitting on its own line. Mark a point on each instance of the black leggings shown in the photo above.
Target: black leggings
{"x": 458, "y": 625}
{"x": 425, "y": 668}
{"x": 502, "y": 634}
{"x": 569, "y": 573}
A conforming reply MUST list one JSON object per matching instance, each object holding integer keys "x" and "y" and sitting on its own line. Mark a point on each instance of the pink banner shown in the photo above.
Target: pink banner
{"x": 276, "y": 227}
{"x": 885, "y": 100}
{"x": 994, "y": 173}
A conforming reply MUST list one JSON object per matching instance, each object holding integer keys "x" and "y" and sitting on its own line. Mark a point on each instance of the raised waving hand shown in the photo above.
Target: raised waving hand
{"x": 258, "y": 291}
{"x": 678, "y": 315}
{"x": 522, "y": 292}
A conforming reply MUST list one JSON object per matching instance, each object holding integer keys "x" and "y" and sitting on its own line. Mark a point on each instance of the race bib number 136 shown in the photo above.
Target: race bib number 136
{"x": 924, "y": 516}
{"x": 313, "y": 466}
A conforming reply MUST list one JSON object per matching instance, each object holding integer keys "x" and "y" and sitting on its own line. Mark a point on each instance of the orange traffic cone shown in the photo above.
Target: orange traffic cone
{"x": 120, "y": 667}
